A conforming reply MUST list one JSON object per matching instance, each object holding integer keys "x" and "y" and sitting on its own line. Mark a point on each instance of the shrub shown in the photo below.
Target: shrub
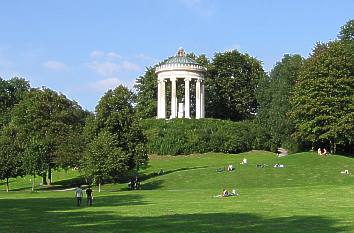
{"x": 187, "y": 136}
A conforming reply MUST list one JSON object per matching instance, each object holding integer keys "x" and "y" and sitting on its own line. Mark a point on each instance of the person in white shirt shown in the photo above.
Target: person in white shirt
{"x": 78, "y": 195}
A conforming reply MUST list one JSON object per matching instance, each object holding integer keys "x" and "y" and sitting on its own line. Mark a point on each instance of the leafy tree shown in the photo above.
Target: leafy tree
{"x": 11, "y": 92}
{"x": 104, "y": 159}
{"x": 10, "y": 157}
{"x": 35, "y": 159}
{"x": 273, "y": 98}
{"x": 323, "y": 98}
{"x": 54, "y": 121}
{"x": 116, "y": 126}
{"x": 146, "y": 87}
{"x": 347, "y": 31}
{"x": 231, "y": 84}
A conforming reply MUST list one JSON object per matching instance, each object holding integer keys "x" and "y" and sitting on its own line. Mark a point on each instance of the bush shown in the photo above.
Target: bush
{"x": 187, "y": 136}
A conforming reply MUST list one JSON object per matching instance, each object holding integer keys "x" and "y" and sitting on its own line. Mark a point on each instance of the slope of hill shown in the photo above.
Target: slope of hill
{"x": 308, "y": 195}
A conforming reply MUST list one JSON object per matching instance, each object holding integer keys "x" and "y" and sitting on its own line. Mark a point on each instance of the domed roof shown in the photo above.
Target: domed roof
{"x": 180, "y": 58}
{"x": 180, "y": 62}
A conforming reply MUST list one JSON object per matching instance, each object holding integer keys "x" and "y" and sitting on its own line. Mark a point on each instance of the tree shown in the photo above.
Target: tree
{"x": 10, "y": 157}
{"x": 323, "y": 98}
{"x": 273, "y": 99}
{"x": 347, "y": 31}
{"x": 231, "y": 84}
{"x": 54, "y": 121}
{"x": 115, "y": 126}
{"x": 146, "y": 87}
{"x": 11, "y": 92}
{"x": 104, "y": 159}
{"x": 35, "y": 159}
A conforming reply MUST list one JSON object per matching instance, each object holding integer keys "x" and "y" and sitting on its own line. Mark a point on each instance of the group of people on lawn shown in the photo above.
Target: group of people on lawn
{"x": 322, "y": 152}
{"x": 79, "y": 194}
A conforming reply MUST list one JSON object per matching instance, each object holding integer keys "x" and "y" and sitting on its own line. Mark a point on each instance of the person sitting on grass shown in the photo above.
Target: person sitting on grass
{"x": 244, "y": 161}
{"x": 277, "y": 165}
{"x": 230, "y": 168}
{"x": 346, "y": 172}
{"x": 225, "y": 193}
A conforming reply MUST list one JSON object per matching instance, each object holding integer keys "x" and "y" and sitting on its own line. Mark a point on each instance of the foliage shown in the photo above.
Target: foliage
{"x": 104, "y": 159}
{"x": 54, "y": 121}
{"x": 11, "y": 92}
{"x": 146, "y": 87}
{"x": 116, "y": 126}
{"x": 185, "y": 136}
{"x": 231, "y": 84}
{"x": 273, "y": 98}
{"x": 10, "y": 157}
{"x": 323, "y": 99}
{"x": 347, "y": 31}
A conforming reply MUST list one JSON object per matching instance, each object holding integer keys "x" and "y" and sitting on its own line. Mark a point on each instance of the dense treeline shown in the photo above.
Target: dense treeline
{"x": 301, "y": 104}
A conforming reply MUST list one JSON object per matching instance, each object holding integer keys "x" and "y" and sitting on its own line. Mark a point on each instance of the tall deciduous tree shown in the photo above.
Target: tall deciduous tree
{"x": 231, "y": 84}
{"x": 146, "y": 87}
{"x": 273, "y": 98}
{"x": 116, "y": 127}
{"x": 53, "y": 120}
{"x": 347, "y": 31}
{"x": 323, "y": 99}
{"x": 10, "y": 157}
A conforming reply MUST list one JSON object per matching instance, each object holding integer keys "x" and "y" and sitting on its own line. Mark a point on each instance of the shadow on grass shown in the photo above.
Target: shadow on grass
{"x": 58, "y": 185}
{"x": 61, "y": 215}
{"x": 156, "y": 174}
{"x": 156, "y": 184}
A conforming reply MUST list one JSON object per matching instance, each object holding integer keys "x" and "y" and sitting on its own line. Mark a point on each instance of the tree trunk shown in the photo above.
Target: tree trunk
{"x": 44, "y": 178}
{"x": 49, "y": 175}
{"x": 33, "y": 181}
{"x": 7, "y": 184}
{"x": 99, "y": 186}
{"x": 334, "y": 148}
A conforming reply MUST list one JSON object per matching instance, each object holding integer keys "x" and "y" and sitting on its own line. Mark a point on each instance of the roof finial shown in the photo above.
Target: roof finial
{"x": 181, "y": 52}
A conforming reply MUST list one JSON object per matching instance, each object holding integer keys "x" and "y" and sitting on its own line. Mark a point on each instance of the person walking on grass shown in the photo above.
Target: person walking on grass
{"x": 89, "y": 196}
{"x": 78, "y": 195}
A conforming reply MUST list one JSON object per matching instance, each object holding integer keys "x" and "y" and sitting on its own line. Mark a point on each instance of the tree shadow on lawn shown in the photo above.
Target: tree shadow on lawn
{"x": 156, "y": 184}
{"x": 156, "y": 174}
{"x": 61, "y": 215}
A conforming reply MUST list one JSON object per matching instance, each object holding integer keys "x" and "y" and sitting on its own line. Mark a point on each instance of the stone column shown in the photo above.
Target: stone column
{"x": 173, "y": 98}
{"x": 161, "y": 100}
{"x": 186, "y": 98}
{"x": 202, "y": 104}
{"x": 197, "y": 100}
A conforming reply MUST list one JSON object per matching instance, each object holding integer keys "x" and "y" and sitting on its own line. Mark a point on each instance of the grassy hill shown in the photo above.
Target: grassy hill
{"x": 308, "y": 195}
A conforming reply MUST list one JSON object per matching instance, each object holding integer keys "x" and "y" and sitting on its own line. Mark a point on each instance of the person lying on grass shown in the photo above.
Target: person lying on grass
{"x": 226, "y": 193}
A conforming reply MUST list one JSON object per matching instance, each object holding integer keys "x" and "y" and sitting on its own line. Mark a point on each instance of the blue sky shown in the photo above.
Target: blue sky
{"x": 83, "y": 48}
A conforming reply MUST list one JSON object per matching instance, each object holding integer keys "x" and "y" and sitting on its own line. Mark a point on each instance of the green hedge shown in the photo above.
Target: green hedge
{"x": 187, "y": 136}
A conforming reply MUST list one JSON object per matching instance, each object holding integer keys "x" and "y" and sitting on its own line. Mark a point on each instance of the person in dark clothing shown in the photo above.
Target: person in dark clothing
{"x": 89, "y": 196}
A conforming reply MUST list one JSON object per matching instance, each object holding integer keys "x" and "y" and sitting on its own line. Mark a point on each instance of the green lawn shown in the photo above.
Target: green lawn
{"x": 308, "y": 195}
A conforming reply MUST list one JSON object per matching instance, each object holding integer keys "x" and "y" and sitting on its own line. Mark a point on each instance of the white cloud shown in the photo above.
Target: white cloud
{"x": 54, "y": 65}
{"x": 105, "y": 69}
{"x": 202, "y": 7}
{"x": 113, "y": 56}
{"x": 96, "y": 54}
{"x": 148, "y": 58}
{"x": 126, "y": 65}
{"x": 105, "y": 84}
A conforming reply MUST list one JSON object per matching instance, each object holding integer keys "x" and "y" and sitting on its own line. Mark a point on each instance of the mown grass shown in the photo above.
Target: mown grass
{"x": 308, "y": 195}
